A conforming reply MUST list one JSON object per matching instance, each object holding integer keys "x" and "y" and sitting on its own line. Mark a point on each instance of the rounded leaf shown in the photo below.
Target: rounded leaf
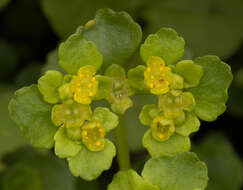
{"x": 190, "y": 125}
{"x": 174, "y": 145}
{"x": 191, "y": 72}
{"x": 165, "y": 44}
{"x": 181, "y": 172}
{"x": 64, "y": 146}
{"x": 116, "y": 35}
{"x": 104, "y": 87}
{"x": 89, "y": 165}
{"x": 48, "y": 86}
{"x": 130, "y": 180}
{"x": 115, "y": 71}
{"x": 33, "y": 115}
{"x": 108, "y": 119}
{"x": 148, "y": 113}
{"x": 212, "y": 92}
{"x": 136, "y": 78}
{"x": 76, "y": 52}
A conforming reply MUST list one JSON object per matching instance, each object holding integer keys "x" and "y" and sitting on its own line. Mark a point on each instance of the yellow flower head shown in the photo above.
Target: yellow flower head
{"x": 93, "y": 135}
{"x": 157, "y": 76}
{"x": 162, "y": 128}
{"x": 84, "y": 85}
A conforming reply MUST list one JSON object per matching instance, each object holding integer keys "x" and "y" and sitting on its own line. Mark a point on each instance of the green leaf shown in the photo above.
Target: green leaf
{"x": 22, "y": 176}
{"x": 33, "y": 116}
{"x": 166, "y": 44}
{"x": 64, "y": 146}
{"x": 174, "y": 145}
{"x": 89, "y": 165}
{"x": 190, "y": 125}
{"x": 130, "y": 180}
{"x": 49, "y": 84}
{"x": 211, "y": 94}
{"x": 148, "y": 113}
{"x": 108, "y": 119}
{"x": 225, "y": 167}
{"x": 11, "y": 137}
{"x": 116, "y": 35}
{"x": 181, "y": 172}
{"x": 191, "y": 72}
{"x": 76, "y": 52}
{"x": 115, "y": 71}
{"x": 121, "y": 107}
{"x": 104, "y": 87}
{"x": 136, "y": 78}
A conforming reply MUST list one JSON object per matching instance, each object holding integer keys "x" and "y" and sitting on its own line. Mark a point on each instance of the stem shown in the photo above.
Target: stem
{"x": 122, "y": 146}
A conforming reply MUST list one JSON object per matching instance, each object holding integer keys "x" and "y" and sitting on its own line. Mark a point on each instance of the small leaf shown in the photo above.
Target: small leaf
{"x": 33, "y": 115}
{"x": 191, "y": 72}
{"x": 89, "y": 165}
{"x": 165, "y": 44}
{"x": 211, "y": 94}
{"x": 108, "y": 119}
{"x": 116, "y": 35}
{"x": 130, "y": 180}
{"x": 190, "y": 125}
{"x": 104, "y": 87}
{"x": 115, "y": 71}
{"x": 76, "y": 52}
{"x": 121, "y": 107}
{"x": 148, "y": 113}
{"x": 174, "y": 145}
{"x": 49, "y": 84}
{"x": 64, "y": 146}
{"x": 136, "y": 78}
{"x": 181, "y": 172}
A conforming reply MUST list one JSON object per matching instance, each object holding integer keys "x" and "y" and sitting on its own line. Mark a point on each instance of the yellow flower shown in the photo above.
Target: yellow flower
{"x": 157, "y": 76}
{"x": 93, "y": 135}
{"x": 84, "y": 85}
{"x": 162, "y": 128}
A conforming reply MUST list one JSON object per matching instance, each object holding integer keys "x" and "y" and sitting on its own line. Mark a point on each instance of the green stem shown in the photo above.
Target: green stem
{"x": 122, "y": 146}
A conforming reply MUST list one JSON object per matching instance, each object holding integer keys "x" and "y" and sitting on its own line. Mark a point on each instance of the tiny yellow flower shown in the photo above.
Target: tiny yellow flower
{"x": 93, "y": 135}
{"x": 84, "y": 85}
{"x": 157, "y": 76}
{"x": 162, "y": 128}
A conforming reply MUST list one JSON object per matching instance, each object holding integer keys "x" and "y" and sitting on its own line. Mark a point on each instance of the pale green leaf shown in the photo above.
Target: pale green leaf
{"x": 148, "y": 113}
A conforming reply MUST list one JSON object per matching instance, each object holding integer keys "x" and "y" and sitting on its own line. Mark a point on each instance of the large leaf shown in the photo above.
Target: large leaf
{"x": 130, "y": 180}
{"x": 116, "y": 35}
{"x": 212, "y": 92}
{"x": 65, "y": 16}
{"x": 33, "y": 115}
{"x": 207, "y": 25}
{"x": 89, "y": 165}
{"x": 181, "y": 172}
{"x": 225, "y": 167}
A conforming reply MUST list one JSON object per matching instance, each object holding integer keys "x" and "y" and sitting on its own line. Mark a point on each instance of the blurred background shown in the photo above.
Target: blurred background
{"x": 30, "y": 31}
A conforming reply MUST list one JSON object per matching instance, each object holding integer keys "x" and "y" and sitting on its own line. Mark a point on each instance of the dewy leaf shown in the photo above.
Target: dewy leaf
{"x": 190, "y": 125}
{"x": 89, "y": 165}
{"x": 64, "y": 146}
{"x": 22, "y": 176}
{"x": 130, "y": 180}
{"x": 148, "y": 113}
{"x": 191, "y": 72}
{"x": 174, "y": 145}
{"x": 76, "y": 52}
{"x": 108, "y": 119}
{"x": 211, "y": 94}
{"x": 165, "y": 44}
{"x": 136, "y": 78}
{"x": 49, "y": 84}
{"x": 116, "y": 35}
{"x": 225, "y": 167}
{"x": 33, "y": 115}
{"x": 181, "y": 172}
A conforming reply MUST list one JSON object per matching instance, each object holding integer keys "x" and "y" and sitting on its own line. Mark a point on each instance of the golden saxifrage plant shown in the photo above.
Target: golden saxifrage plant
{"x": 59, "y": 112}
